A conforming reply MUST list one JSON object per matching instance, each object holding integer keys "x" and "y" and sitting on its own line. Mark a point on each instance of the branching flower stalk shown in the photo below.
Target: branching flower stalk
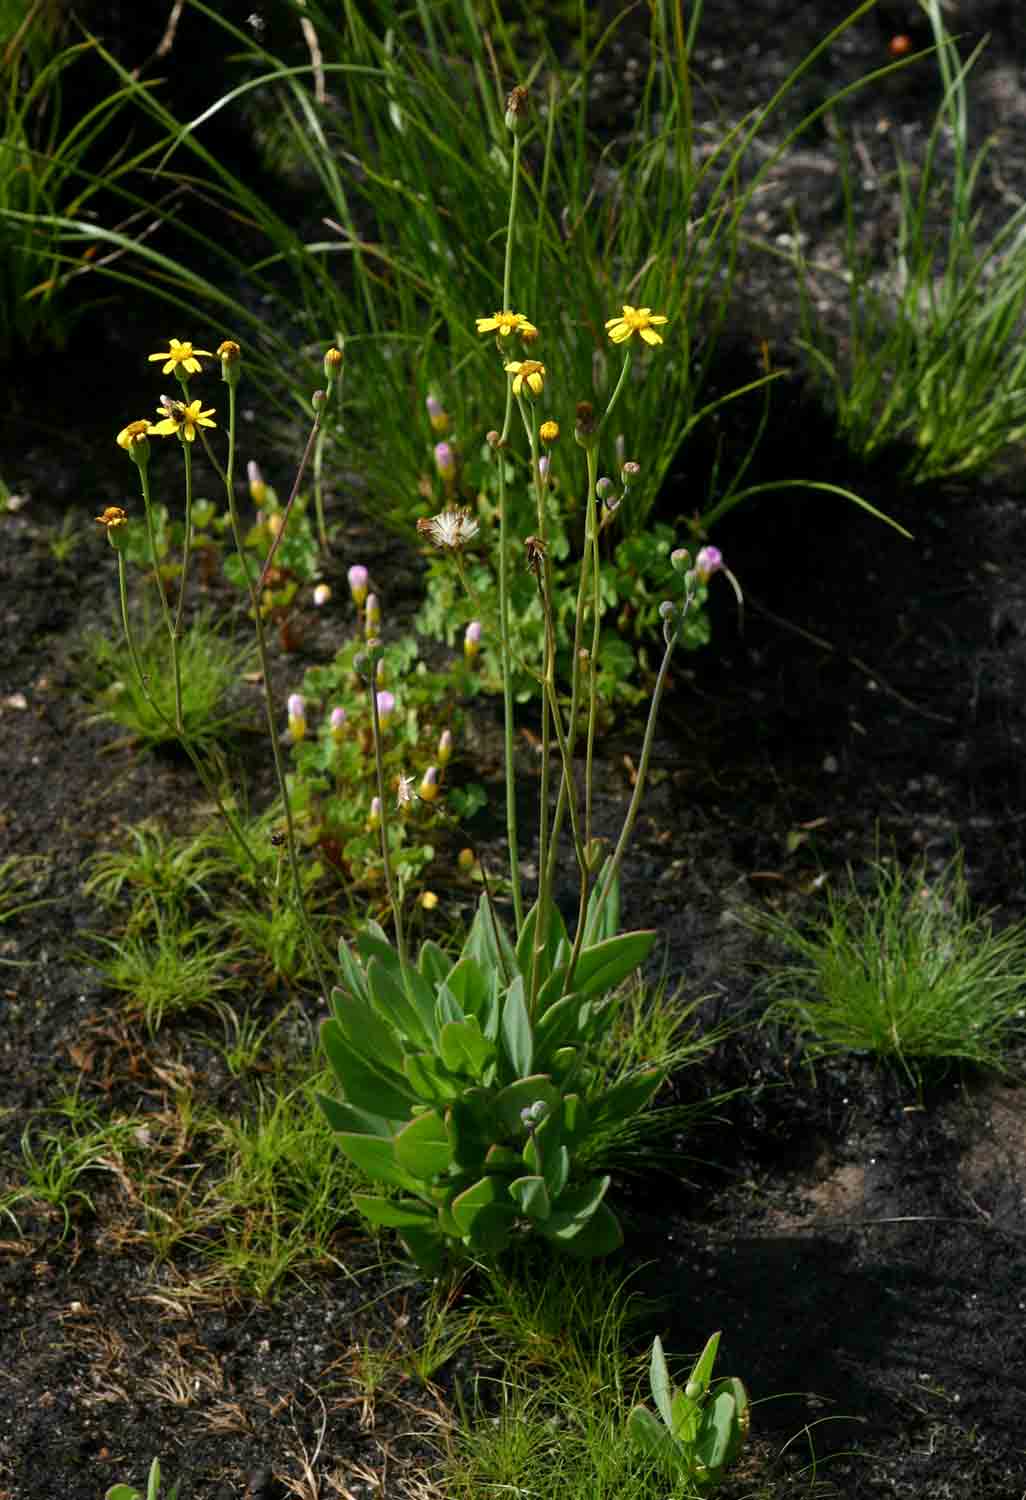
{"x": 372, "y": 658}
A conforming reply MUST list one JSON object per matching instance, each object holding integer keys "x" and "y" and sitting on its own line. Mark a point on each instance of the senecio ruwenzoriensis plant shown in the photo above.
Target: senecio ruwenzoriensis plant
{"x": 470, "y": 1088}
{"x": 702, "y": 1427}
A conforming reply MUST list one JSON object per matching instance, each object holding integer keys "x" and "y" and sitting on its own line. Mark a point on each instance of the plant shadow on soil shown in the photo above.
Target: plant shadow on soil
{"x": 860, "y": 1246}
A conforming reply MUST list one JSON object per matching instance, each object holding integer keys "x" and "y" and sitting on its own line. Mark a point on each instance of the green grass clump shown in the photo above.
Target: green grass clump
{"x": 904, "y": 970}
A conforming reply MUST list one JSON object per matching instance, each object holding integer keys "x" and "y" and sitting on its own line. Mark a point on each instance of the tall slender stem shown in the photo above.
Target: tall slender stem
{"x": 379, "y": 766}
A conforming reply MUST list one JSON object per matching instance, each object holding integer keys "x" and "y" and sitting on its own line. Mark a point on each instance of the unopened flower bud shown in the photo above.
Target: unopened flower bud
{"x": 465, "y": 860}
{"x": 297, "y": 717}
{"x": 605, "y": 489}
{"x": 493, "y": 438}
{"x": 429, "y": 785}
{"x": 359, "y": 581}
{"x": 372, "y": 615}
{"x": 332, "y": 364}
{"x": 620, "y": 449}
{"x": 428, "y": 900}
{"x": 445, "y": 462}
{"x": 275, "y": 522}
{"x": 338, "y": 724}
{"x": 667, "y": 609}
{"x": 374, "y": 820}
{"x": 630, "y": 470}
{"x": 472, "y": 640}
{"x": 321, "y": 594}
{"x": 548, "y": 432}
{"x": 516, "y": 105}
{"x": 437, "y": 415}
{"x": 257, "y": 487}
{"x": 386, "y": 707}
{"x": 318, "y": 399}
{"x": 230, "y": 356}
{"x": 680, "y": 559}
{"x": 114, "y": 519}
{"x": 693, "y": 1390}
{"x": 443, "y": 754}
{"x": 708, "y": 562}
{"x": 584, "y": 426}
{"x": 544, "y": 464}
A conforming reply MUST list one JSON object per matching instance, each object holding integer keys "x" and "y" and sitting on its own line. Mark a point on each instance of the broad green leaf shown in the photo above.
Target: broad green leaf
{"x": 473, "y": 1125}
{"x": 649, "y": 1434}
{"x": 659, "y": 1380}
{"x": 603, "y": 966}
{"x": 576, "y": 1205}
{"x": 376, "y": 1157}
{"x": 468, "y": 1205}
{"x": 600, "y": 1234}
{"x": 547, "y": 938}
{"x": 447, "y": 1007}
{"x": 365, "y": 1031}
{"x": 505, "y": 1161}
{"x": 602, "y": 921}
{"x": 373, "y": 943}
{"x": 627, "y": 1098}
{"x": 491, "y": 1229}
{"x": 393, "y": 1004}
{"x": 717, "y": 1433}
{"x": 422, "y": 1146}
{"x": 366, "y": 1086}
{"x": 463, "y": 1049}
{"x": 353, "y": 974}
{"x": 421, "y": 994}
{"x": 429, "y": 1079}
{"x": 427, "y": 1248}
{"x": 522, "y": 1095}
{"x": 576, "y": 1120}
{"x": 434, "y": 964}
{"x": 387, "y": 1213}
{"x": 516, "y": 1029}
{"x": 341, "y": 1116}
{"x": 469, "y": 985}
{"x": 557, "y": 1026}
{"x": 532, "y": 1196}
{"x": 488, "y": 942}
{"x": 701, "y": 1374}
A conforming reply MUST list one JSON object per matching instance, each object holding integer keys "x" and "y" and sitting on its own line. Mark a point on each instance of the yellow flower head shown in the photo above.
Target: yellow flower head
{"x": 113, "y": 517}
{"x": 181, "y": 419}
{"x": 529, "y": 372}
{"x": 181, "y": 354}
{"x": 635, "y": 320}
{"x": 548, "y": 432}
{"x": 228, "y": 352}
{"x": 505, "y": 323}
{"x": 135, "y": 432}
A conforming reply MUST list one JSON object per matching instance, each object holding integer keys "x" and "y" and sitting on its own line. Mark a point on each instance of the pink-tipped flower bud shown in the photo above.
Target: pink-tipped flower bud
{"x": 359, "y": 582}
{"x": 374, "y": 820}
{"x": 445, "y": 462}
{"x": 257, "y": 487}
{"x": 372, "y": 616}
{"x": 297, "y": 717}
{"x": 472, "y": 640}
{"x": 321, "y": 594}
{"x": 443, "y": 753}
{"x": 437, "y": 415}
{"x": 338, "y": 724}
{"x": 680, "y": 559}
{"x": 708, "y": 562}
{"x": 386, "y": 707}
{"x": 544, "y": 465}
{"x": 429, "y": 787}
{"x": 629, "y": 471}
{"x": 605, "y": 489}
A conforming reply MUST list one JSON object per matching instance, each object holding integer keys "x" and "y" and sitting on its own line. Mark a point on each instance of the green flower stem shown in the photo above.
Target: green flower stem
{"x": 565, "y": 751}
{"x": 272, "y": 727}
{"x": 176, "y": 635}
{"x": 311, "y": 440}
{"x": 379, "y": 765}
{"x": 512, "y": 835}
{"x": 165, "y": 607}
{"x": 507, "y": 270}
{"x": 618, "y": 391}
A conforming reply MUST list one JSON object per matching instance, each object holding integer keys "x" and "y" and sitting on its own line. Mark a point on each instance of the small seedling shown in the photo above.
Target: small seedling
{"x": 703, "y": 1426}
{"x": 129, "y": 1492}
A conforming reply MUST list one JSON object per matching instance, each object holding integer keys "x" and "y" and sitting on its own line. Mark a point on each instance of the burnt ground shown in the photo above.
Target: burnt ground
{"x": 860, "y": 1242}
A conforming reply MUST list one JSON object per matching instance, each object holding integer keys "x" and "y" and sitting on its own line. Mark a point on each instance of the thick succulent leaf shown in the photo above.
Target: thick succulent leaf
{"x": 470, "y": 985}
{"x": 463, "y": 1049}
{"x": 433, "y": 963}
{"x": 372, "y": 942}
{"x": 473, "y": 1125}
{"x": 576, "y": 1206}
{"x": 394, "y": 1006}
{"x": 718, "y": 1432}
{"x": 600, "y": 1234}
{"x": 576, "y": 1120}
{"x": 659, "y": 1380}
{"x": 505, "y": 1161}
{"x": 516, "y": 1030}
{"x": 602, "y": 921}
{"x": 548, "y": 940}
{"x": 447, "y": 1007}
{"x": 702, "y": 1370}
{"x": 376, "y": 1158}
{"x": 342, "y": 1116}
{"x": 422, "y": 1147}
{"x": 492, "y": 1228}
{"x": 603, "y": 966}
{"x": 365, "y": 1031}
{"x": 388, "y": 1213}
{"x": 466, "y": 1206}
{"x": 364, "y": 1083}
{"x": 427, "y": 1248}
{"x": 430, "y": 1079}
{"x": 649, "y": 1434}
{"x": 421, "y": 994}
{"x": 521, "y": 1095}
{"x": 354, "y": 977}
{"x": 532, "y": 1196}
{"x": 488, "y": 942}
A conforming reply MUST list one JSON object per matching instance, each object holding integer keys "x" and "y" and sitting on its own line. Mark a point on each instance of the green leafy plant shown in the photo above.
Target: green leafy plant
{"x": 902, "y": 969}
{"x": 701, "y": 1428}
{"x": 183, "y": 965}
{"x": 935, "y": 355}
{"x": 128, "y": 1492}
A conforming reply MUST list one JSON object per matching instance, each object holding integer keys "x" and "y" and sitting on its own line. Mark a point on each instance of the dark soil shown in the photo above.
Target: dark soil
{"x": 861, "y": 1243}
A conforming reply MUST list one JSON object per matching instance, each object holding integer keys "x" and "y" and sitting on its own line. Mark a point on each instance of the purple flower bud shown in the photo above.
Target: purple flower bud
{"x": 708, "y": 562}
{"x": 321, "y": 594}
{"x": 257, "y": 487}
{"x": 544, "y": 465}
{"x": 372, "y": 616}
{"x": 429, "y": 785}
{"x": 359, "y": 582}
{"x": 472, "y": 640}
{"x": 375, "y": 813}
{"x": 338, "y": 723}
{"x": 605, "y": 488}
{"x": 443, "y": 754}
{"x": 386, "y": 706}
{"x": 680, "y": 559}
{"x": 445, "y": 462}
{"x": 297, "y": 716}
{"x": 630, "y": 470}
{"x": 437, "y": 414}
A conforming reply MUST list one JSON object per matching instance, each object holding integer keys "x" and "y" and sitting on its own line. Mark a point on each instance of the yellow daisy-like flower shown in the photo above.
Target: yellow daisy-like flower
{"x": 505, "y": 323}
{"x": 181, "y": 354}
{"x": 113, "y": 517}
{"x": 548, "y": 432}
{"x": 635, "y": 320}
{"x": 529, "y": 372}
{"x": 135, "y": 432}
{"x": 181, "y": 420}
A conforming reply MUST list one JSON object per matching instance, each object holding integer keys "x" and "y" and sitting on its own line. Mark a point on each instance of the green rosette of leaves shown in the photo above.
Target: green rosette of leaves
{"x": 481, "y": 1122}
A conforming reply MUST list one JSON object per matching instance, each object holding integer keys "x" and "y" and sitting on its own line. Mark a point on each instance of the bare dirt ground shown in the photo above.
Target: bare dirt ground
{"x": 862, "y": 1247}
